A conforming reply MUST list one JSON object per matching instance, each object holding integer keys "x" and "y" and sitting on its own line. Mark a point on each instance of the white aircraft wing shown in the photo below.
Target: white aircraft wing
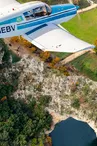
{"x": 50, "y": 37}
{"x": 4, "y": 3}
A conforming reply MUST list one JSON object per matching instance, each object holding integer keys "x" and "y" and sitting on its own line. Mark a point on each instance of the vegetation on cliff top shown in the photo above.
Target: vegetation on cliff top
{"x": 81, "y": 3}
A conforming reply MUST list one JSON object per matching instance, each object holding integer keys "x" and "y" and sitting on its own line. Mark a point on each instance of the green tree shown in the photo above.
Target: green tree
{"x": 75, "y": 103}
{"x": 8, "y": 84}
{"x": 8, "y": 56}
{"x": 83, "y": 3}
{"x": 4, "y": 47}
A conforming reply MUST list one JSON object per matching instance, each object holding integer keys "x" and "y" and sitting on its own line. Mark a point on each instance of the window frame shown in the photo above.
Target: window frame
{"x": 48, "y": 8}
{"x": 30, "y": 15}
{"x": 42, "y": 13}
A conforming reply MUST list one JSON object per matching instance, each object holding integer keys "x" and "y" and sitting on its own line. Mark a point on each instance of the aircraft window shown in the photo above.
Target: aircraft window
{"x": 40, "y": 11}
{"x": 49, "y": 10}
{"x": 29, "y": 15}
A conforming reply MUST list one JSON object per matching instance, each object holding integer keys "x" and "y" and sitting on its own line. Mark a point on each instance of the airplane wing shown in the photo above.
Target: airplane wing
{"x": 4, "y": 3}
{"x": 50, "y": 37}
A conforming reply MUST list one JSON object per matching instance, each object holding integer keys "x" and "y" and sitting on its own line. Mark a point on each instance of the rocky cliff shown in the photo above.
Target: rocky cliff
{"x": 71, "y": 95}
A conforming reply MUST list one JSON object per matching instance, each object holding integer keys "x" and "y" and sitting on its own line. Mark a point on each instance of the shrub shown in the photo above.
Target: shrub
{"x": 27, "y": 44}
{"x": 33, "y": 49}
{"x": 15, "y": 39}
{"x": 64, "y": 70}
{"x": 45, "y": 100}
{"x": 45, "y": 55}
{"x": 75, "y": 103}
{"x": 55, "y": 60}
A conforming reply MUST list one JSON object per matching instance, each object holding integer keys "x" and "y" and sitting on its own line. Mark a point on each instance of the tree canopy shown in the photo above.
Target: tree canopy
{"x": 23, "y": 123}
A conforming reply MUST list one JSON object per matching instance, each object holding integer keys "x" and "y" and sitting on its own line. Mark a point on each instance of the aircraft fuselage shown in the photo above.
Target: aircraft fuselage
{"x": 20, "y": 19}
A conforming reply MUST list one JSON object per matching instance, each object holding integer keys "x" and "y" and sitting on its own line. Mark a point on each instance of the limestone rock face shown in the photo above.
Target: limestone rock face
{"x": 35, "y": 78}
{"x": 1, "y": 56}
{"x": 67, "y": 92}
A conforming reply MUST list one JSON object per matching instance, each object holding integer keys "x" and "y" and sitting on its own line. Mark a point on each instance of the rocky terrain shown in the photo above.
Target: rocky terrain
{"x": 71, "y": 95}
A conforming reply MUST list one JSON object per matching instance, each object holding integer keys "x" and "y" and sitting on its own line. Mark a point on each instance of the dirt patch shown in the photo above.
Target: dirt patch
{"x": 17, "y": 48}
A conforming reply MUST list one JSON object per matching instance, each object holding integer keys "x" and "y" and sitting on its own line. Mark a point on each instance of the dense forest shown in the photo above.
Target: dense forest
{"x": 22, "y": 123}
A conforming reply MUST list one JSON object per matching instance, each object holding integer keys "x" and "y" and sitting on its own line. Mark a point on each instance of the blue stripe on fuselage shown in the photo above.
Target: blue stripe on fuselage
{"x": 43, "y": 17}
{"x": 46, "y": 19}
{"x": 12, "y": 20}
{"x": 59, "y": 8}
{"x": 35, "y": 29}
